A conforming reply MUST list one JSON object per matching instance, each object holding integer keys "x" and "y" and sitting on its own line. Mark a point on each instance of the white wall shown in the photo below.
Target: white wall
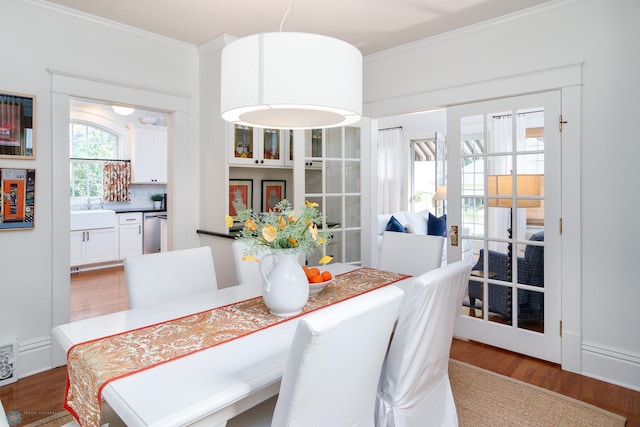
{"x": 43, "y": 38}
{"x": 604, "y": 36}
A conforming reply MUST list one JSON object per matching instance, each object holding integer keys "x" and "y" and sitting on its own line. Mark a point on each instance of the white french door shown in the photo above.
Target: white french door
{"x": 503, "y": 194}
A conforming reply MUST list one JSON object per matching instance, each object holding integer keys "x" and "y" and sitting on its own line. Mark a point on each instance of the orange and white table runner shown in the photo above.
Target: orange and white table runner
{"x": 92, "y": 365}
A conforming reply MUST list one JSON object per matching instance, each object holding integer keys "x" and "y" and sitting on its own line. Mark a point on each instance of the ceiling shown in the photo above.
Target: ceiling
{"x": 370, "y": 25}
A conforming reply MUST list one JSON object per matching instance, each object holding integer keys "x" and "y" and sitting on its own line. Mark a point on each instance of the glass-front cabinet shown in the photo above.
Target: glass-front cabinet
{"x": 333, "y": 167}
{"x": 257, "y": 146}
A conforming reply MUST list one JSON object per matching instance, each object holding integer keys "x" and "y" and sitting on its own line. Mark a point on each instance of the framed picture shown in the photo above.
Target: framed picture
{"x": 240, "y": 195}
{"x": 17, "y": 198}
{"x": 17, "y": 121}
{"x": 272, "y": 193}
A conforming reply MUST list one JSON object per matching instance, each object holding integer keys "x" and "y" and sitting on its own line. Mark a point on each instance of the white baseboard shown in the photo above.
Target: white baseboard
{"x": 34, "y": 356}
{"x": 612, "y": 365}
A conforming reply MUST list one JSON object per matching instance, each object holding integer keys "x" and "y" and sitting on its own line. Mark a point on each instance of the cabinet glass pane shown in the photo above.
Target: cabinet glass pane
{"x": 352, "y": 251}
{"x": 352, "y": 211}
{"x": 352, "y": 143}
{"x": 334, "y": 176}
{"x": 313, "y": 181}
{"x": 243, "y": 142}
{"x": 313, "y": 143}
{"x": 271, "y": 148}
{"x": 333, "y": 142}
{"x": 333, "y": 210}
{"x": 352, "y": 176}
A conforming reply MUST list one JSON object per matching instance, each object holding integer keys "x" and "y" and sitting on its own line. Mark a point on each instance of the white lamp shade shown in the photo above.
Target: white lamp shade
{"x": 291, "y": 80}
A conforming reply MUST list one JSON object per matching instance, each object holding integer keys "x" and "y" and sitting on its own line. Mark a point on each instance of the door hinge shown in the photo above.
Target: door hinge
{"x": 561, "y": 226}
{"x": 561, "y": 122}
{"x": 561, "y": 328}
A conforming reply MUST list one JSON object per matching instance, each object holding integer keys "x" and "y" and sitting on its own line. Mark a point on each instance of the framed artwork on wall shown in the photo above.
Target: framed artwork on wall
{"x": 17, "y": 198}
{"x": 17, "y": 123}
{"x": 272, "y": 193}
{"x": 240, "y": 195}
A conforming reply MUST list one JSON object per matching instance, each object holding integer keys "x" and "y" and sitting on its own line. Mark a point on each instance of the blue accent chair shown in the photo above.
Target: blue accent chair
{"x": 530, "y": 272}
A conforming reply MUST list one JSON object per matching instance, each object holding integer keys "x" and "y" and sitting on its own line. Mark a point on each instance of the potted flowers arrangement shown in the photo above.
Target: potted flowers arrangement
{"x": 157, "y": 200}
{"x": 285, "y": 233}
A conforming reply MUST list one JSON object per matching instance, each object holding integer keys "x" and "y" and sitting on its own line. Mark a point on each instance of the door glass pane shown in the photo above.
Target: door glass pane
{"x": 353, "y": 248}
{"x": 512, "y": 217}
{"x": 352, "y": 143}
{"x": 334, "y": 211}
{"x": 333, "y": 142}
{"x": 333, "y": 176}
{"x": 352, "y": 211}
{"x": 352, "y": 176}
{"x": 313, "y": 181}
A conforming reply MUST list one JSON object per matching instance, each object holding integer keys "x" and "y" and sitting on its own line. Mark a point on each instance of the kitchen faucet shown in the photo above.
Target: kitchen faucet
{"x": 89, "y": 199}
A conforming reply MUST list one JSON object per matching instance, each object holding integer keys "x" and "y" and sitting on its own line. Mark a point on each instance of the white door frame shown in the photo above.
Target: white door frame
{"x": 568, "y": 79}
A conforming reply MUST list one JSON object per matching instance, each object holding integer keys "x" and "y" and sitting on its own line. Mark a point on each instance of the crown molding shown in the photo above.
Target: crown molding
{"x": 511, "y": 17}
{"x": 73, "y": 14}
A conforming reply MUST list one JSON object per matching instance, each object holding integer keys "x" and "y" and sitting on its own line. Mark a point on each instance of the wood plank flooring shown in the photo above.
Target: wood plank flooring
{"x": 104, "y": 291}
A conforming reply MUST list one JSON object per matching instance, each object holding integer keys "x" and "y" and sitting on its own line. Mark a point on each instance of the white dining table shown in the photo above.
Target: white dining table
{"x": 208, "y": 387}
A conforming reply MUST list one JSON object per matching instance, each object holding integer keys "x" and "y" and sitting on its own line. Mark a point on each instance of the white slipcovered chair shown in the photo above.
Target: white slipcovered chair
{"x": 334, "y": 364}
{"x": 248, "y": 272}
{"x": 162, "y": 276}
{"x": 414, "y": 386}
{"x": 408, "y": 253}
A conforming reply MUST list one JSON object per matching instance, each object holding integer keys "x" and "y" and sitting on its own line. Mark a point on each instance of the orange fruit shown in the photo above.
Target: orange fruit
{"x": 314, "y": 271}
{"x": 316, "y": 279}
{"x": 326, "y": 276}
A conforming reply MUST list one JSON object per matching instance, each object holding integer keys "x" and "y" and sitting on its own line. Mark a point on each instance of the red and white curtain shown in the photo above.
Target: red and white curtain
{"x": 116, "y": 181}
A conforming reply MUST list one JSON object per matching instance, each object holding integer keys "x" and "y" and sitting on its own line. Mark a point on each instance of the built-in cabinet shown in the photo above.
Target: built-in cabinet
{"x": 93, "y": 246}
{"x": 148, "y": 152}
{"x": 257, "y": 146}
{"x": 333, "y": 172}
{"x": 130, "y": 232}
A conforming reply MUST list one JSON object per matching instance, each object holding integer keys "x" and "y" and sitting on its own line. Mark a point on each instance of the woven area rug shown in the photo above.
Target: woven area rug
{"x": 488, "y": 399}
{"x": 485, "y": 398}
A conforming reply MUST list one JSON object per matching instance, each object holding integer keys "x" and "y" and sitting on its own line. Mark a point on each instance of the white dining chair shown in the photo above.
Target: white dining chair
{"x": 409, "y": 253}
{"x": 162, "y": 276}
{"x": 248, "y": 272}
{"x": 332, "y": 371}
{"x": 414, "y": 386}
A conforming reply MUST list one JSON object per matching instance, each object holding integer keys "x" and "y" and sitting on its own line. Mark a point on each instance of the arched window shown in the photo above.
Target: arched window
{"x": 90, "y": 146}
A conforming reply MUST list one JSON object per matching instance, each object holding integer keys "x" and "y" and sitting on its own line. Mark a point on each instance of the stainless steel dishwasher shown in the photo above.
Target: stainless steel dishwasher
{"x": 151, "y": 233}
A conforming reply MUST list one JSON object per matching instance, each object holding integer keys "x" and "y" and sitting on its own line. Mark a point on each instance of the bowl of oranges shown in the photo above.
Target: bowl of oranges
{"x": 317, "y": 279}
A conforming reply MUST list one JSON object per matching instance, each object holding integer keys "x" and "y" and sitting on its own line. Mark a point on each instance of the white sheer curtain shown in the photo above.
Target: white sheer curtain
{"x": 501, "y": 142}
{"x": 390, "y": 163}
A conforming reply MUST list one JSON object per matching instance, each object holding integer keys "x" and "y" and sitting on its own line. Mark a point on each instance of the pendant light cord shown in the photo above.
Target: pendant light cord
{"x": 285, "y": 14}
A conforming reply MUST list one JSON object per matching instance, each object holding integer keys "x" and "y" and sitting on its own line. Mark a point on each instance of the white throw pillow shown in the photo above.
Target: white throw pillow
{"x": 417, "y": 221}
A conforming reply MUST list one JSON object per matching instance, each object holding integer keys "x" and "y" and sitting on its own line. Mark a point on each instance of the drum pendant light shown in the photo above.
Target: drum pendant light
{"x": 291, "y": 80}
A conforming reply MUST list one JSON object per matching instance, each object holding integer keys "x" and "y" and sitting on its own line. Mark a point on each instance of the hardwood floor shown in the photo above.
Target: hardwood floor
{"x": 101, "y": 292}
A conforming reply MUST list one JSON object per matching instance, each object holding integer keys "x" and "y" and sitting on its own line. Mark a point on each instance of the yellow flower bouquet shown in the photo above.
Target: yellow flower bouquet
{"x": 283, "y": 228}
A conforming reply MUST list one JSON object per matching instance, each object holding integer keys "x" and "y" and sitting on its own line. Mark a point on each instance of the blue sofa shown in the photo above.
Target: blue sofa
{"x": 530, "y": 272}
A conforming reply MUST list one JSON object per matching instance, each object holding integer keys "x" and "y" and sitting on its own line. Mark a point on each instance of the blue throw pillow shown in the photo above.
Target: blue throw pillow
{"x": 437, "y": 226}
{"x": 394, "y": 225}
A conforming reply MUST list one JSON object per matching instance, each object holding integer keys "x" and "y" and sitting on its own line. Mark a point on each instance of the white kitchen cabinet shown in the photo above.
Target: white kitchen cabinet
{"x": 130, "y": 226}
{"x": 148, "y": 149}
{"x": 93, "y": 246}
{"x": 257, "y": 146}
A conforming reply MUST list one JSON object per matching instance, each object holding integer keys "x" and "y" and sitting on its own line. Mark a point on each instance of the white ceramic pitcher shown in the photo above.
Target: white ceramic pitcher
{"x": 285, "y": 288}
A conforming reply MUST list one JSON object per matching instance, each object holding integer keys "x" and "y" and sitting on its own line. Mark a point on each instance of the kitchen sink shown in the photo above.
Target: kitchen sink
{"x": 87, "y": 220}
